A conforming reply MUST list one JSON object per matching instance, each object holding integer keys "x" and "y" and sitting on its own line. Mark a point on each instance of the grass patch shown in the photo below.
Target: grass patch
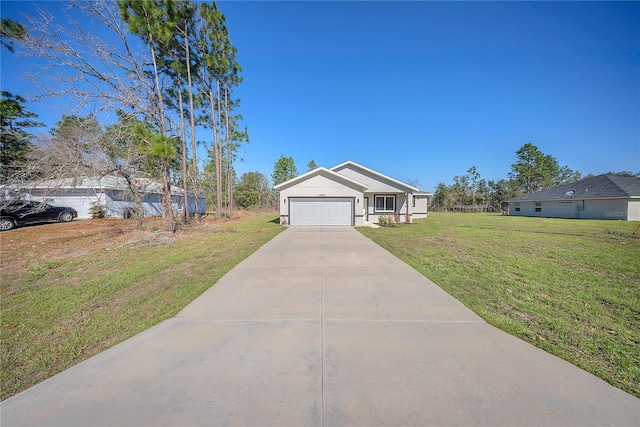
{"x": 570, "y": 287}
{"x": 58, "y": 312}
{"x": 38, "y": 270}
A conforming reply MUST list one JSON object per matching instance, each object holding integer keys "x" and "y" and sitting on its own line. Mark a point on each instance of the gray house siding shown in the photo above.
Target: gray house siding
{"x": 634, "y": 210}
{"x": 617, "y": 209}
{"x": 606, "y": 209}
{"x": 610, "y": 197}
{"x": 420, "y": 206}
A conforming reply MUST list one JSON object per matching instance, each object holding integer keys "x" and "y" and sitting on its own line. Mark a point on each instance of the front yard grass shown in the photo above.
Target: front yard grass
{"x": 570, "y": 287}
{"x": 58, "y": 311}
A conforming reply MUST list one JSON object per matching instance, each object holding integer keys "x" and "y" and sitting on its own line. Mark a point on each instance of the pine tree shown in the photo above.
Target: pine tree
{"x": 14, "y": 139}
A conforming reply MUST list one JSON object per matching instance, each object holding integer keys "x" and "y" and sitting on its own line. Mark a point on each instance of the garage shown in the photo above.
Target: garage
{"x": 321, "y": 211}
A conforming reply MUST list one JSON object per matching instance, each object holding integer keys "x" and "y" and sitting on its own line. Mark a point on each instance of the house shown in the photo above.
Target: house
{"x": 348, "y": 194}
{"x": 110, "y": 192}
{"x": 597, "y": 197}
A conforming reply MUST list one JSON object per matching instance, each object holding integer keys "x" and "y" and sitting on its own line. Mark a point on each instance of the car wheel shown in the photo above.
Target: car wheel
{"x": 66, "y": 216}
{"x": 6, "y": 224}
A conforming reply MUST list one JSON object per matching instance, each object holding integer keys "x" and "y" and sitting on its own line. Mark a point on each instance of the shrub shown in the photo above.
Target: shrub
{"x": 97, "y": 211}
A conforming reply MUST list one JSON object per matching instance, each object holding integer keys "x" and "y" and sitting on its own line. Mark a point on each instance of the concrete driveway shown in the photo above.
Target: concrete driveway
{"x": 323, "y": 327}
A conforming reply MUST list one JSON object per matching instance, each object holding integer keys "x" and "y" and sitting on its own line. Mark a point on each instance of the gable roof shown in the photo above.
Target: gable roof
{"x": 321, "y": 171}
{"x": 356, "y": 166}
{"x": 595, "y": 187}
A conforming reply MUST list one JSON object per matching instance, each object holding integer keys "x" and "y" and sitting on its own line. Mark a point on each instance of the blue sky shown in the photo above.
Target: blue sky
{"x": 425, "y": 90}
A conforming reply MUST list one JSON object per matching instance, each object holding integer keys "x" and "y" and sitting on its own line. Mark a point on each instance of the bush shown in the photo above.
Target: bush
{"x": 97, "y": 211}
{"x": 131, "y": 213}
{"x": 387, "y": 221}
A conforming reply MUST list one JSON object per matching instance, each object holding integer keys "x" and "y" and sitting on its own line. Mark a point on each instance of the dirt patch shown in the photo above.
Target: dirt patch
{"x": 22, "y": 247}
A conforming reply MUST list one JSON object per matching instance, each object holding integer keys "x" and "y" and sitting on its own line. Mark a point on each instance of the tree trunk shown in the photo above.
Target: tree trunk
{"x": 194, "y": 155}
{"x": 218, "y": 154}
{"x": 215, "y": 150}
{"x": 167, "y": 207}
{"x": 229, "y": 156}
{"x": 137, "y": 197}
{"x": 185, "y": 186}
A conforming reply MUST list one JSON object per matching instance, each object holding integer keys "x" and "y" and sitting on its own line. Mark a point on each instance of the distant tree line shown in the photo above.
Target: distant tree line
{"x": 253, "y": 189}
{"x": 533, "y": 171}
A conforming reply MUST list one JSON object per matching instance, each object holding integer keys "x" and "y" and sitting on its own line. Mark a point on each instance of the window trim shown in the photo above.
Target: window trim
{"x": 384, "y": 196}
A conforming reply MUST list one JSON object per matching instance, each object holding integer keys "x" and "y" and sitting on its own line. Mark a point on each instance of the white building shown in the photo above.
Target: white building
{"x": 110, "y": 192}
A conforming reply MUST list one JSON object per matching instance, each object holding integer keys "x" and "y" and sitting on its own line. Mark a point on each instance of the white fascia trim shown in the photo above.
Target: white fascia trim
{"x": 318, "y": 171}
{"x": 351, "y": 163}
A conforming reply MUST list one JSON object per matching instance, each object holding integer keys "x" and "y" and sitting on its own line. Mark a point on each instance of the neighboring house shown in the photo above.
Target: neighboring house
{"x": 598, "y": 197}
{"x": 110, "y": 192}
{"x": 348, "y": 194}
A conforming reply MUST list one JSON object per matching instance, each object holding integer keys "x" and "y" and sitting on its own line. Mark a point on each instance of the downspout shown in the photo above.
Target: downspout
{"x": 579, "y": 207}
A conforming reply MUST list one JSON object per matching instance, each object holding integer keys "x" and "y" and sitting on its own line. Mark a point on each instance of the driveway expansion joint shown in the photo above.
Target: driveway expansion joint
{"x": 273, "y": 344}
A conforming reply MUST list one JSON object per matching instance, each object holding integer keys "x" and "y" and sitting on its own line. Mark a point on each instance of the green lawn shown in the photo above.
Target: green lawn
{"x": 59, "y": 312}
{"x": 571, "y": 287}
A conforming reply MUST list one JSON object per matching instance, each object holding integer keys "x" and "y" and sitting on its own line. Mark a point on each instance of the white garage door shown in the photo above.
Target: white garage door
{"x": 313, "y": 211}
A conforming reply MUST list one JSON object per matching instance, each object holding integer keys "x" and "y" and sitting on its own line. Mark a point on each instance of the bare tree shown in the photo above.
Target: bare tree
{"x": 101, "y": 72}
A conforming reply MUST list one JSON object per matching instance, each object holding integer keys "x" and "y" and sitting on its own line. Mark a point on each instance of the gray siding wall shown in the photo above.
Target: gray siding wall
{"x": 420, "y": 208}
{"x": 634, "y": 210}
{"x": 615, "y": 209}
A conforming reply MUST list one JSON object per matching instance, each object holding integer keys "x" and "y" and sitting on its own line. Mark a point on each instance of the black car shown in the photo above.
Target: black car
{"x": 20, "y": 212}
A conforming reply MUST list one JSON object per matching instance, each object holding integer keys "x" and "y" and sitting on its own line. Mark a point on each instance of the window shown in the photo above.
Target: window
{"x": 413, "y": 201}
{"x": 538, "y": 207}
{"x": 517, "y": 207}
{"x": 385, "y": 203}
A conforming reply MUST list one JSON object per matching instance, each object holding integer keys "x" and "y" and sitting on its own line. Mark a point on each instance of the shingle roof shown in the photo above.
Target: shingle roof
{"x": 595, "y": 187}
